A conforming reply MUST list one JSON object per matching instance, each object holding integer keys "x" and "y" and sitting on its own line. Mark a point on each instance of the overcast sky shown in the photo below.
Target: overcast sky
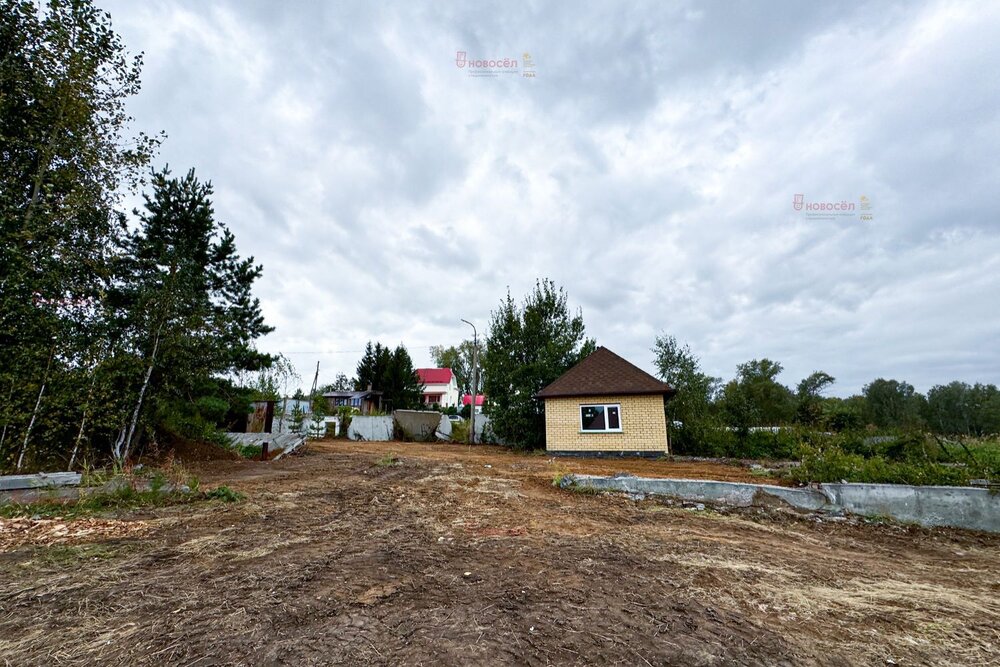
{"x": 649, "y": 166}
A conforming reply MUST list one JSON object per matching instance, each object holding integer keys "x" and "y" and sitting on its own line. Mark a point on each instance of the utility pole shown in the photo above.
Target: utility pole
{"x": 312, "y": 392}
{"x": 475, "y": 383}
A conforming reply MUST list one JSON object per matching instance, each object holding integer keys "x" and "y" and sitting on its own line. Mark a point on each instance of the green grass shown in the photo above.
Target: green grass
{"x": 251, "y": 452}
{"x": 833, "y": 464}
{"x": 225, "y": 494}
{"x": 567, "y": 482}
{"x": 69, "y": 555}
{"x": 388, "y": 461}
{"x": 123, "y": 498}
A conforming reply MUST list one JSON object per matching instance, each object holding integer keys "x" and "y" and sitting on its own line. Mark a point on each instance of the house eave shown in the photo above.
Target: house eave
{"x": 658, "y": 392}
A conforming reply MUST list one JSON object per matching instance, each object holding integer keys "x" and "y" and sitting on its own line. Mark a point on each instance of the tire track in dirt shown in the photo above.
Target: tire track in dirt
{"x": 334, "y": 559}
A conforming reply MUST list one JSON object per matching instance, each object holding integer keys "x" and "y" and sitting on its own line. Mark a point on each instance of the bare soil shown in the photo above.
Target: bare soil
{"x": 458, "y": 555}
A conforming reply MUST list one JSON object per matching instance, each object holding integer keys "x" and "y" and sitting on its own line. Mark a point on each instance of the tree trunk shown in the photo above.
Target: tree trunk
{"x": 83, "y": 419}
{"x": 124, "y": 443}
{"x": 43, "y": 166}
{"x": 34, "y": 414}
{"x": 3, "y": 435}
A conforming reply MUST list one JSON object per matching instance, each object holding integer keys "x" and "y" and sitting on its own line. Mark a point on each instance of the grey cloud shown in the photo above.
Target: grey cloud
{"x": 649, "y": 168}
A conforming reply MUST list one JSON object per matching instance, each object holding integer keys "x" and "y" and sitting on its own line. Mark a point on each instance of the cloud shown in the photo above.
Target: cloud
{"x": 649, "y": 168}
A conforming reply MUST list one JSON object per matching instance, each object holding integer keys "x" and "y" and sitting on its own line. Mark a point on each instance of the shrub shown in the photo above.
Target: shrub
{"x": 251, "y": 452}
{"x": 833, "y": 464}
{"x": 460, "y": 431}
{"x": 225, "y": 494}
{"x": 345, "y": 414}
{"x": 388, "y": 461}
{"x": 721, "y": 442}
{"x": 781, "y": 444}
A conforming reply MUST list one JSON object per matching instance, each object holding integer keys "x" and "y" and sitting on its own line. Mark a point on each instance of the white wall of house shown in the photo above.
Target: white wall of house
{"x": 448, "y": 392}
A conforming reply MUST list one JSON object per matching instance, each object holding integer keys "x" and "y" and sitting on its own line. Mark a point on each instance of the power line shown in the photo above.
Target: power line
{"x": 413, "y": 347}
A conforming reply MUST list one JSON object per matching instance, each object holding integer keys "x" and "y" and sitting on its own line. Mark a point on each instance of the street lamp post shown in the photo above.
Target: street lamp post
{"x": 475, "y": 382}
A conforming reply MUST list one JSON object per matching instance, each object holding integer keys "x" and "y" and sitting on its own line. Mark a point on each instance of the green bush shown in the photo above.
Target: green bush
{"x": 702, "y": 440}
{"x": 225, "y": 494}
{"x": 720, "y": 442}
{"x": 388, "y": 461}
{"x": 345, "y": 414}
{"x": 460, "y": 431}
{"x": 833, "y": 464}
{"x": 782, "y": 444}
{"x": 875, "y": 456}
{"x": 251, "y": 452}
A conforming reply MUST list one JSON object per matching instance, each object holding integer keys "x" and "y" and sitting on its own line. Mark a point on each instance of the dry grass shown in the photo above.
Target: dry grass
{"x": 333, "y": 559}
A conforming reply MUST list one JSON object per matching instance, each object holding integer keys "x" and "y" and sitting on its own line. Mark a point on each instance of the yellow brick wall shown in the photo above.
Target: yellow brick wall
{"x": 644, "y": 425}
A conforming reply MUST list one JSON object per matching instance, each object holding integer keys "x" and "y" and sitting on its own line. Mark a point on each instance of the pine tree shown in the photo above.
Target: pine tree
{"x": 526, "y": 349}
{"x": 400, "y": 385}
{"x": 185, "y": 301}
{"x": 372, "y": 367}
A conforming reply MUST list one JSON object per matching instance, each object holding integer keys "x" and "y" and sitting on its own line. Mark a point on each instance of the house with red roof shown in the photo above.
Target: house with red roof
{"x": 480, "y": 399}
{"x": 440, "y": 387}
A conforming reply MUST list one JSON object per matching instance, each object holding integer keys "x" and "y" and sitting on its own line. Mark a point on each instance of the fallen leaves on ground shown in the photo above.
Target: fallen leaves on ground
{"x": 22, "y": 531}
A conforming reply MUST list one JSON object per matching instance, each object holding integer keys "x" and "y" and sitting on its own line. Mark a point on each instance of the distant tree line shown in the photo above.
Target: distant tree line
{"x": 529, "y": 345}
{"x": 115, "y": 331}
{"x": 705, "y": 406}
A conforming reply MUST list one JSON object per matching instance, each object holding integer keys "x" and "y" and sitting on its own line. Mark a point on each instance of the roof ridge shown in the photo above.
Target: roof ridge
{"x": 604, "y": 372}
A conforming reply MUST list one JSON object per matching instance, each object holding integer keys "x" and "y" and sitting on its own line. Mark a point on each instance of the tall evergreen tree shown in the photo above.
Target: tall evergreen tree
{"x": 392, "y": 373}
{"x": 185, "y": 299}
{"x": 401, "y": 388}
{"x": 372, "y": 367}
{"x": 527, "y": 348}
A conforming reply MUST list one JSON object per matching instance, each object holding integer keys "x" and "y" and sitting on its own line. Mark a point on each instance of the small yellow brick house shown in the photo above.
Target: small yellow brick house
{"x": 606, "y": 406}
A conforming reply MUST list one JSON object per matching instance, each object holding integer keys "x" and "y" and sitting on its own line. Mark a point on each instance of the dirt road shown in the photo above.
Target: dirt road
{"x": 459, "y": 556}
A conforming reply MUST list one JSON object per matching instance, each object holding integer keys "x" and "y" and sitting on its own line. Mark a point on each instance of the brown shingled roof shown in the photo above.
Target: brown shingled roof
{"x": 604, "y": 372}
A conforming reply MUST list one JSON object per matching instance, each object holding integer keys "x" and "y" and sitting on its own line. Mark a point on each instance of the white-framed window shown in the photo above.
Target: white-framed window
{"x": 601, "y": 418}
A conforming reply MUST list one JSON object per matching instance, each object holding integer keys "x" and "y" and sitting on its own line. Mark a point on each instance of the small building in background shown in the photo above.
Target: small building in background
{"x": 606, "y": 405}
{"x": 365, "y": 401}
{"x": 440, "y": 387}
{"x": 480, "y": 399}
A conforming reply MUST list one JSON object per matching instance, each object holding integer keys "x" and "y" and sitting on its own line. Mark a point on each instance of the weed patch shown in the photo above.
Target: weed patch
{"x": 568, "y": 482}
{"x": 124, "y": 497}
{"x": 905, "y": 462}
{"x": 251, "y": 452}
{"x": 225, "y": 494}
{"x": 388, "y": 461}
{"x": 68, "y": 555}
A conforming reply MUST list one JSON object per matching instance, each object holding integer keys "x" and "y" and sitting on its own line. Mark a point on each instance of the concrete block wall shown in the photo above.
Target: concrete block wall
{"x": 644, "y": 425}
{"x": 376, "y": 429}
{"x": 954, "y": 506}
{"x": 417, "y": 424}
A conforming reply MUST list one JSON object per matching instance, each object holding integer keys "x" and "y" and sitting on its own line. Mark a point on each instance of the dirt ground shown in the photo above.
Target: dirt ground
{"x": 457, "y": 556}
